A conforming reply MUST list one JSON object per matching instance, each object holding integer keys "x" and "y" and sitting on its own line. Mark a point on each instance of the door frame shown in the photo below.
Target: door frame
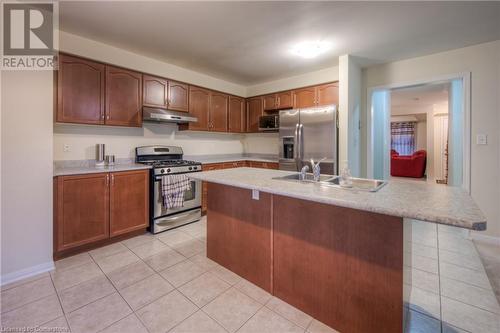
{"x": 466, "y": 99}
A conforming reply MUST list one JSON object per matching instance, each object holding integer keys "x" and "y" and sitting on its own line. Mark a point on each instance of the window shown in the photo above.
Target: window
{"x": 403, "y": 137}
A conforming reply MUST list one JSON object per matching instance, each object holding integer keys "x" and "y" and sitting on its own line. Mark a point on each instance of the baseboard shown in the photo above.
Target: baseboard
{"x": 485, "y": 238}
{"x": 26, "y": 273}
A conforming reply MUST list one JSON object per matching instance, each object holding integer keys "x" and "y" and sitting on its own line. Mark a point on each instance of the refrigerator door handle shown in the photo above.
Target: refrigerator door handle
{"x": 301, "y": 143}
{"x": 296, "y": 142}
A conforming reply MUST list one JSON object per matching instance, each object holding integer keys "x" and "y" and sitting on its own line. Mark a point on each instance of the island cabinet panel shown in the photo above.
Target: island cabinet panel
{"x": 236, "y": 121}
{"x": 81, "y": 210}
{"x": 155, "y": 92}
{"x": 80, "y": 91}
{"x": 339, "y": 265}
{"x": 123, "y": 97}
{"x": 129, "y": 202}
{"x": 178, "y": 96}
{"x": 239, "y": 232}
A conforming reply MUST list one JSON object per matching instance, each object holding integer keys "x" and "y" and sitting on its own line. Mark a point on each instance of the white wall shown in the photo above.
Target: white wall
{"x": 309, "y": 79}
{"x": 122, "y": 141}
{"x": 261, "y": 143}
{"x": 482, "y": 61}
{"x": 26, "y": 227}
{"x": 350, "y": 80}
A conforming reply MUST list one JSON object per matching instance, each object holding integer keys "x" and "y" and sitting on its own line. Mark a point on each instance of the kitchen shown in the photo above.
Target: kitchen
{"x": 121, "y": 120}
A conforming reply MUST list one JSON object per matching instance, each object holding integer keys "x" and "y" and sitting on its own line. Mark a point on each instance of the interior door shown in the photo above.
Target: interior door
{"x": 318, "y": 137}
{"x": 288, "y": 131}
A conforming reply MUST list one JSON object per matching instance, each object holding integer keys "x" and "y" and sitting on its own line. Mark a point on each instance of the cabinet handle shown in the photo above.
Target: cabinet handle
{"x": 107, "y": 117}
{"x": 112, "y": 180}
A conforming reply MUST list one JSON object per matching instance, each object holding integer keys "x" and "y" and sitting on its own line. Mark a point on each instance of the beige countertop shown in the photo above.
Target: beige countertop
{"x": 207, "y": 159}
{"x": 67, "y": 168}
{"x": 421, "y": 201}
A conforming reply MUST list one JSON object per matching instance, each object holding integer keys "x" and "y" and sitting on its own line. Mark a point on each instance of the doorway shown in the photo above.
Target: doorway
{"x": 420, "y": 131}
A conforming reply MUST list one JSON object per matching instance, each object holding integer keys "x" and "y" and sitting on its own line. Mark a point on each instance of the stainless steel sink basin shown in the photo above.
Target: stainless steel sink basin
{"x": 309, "y": 177}
{"x": 362, "y": 184}
{"x": 359, "y": 184}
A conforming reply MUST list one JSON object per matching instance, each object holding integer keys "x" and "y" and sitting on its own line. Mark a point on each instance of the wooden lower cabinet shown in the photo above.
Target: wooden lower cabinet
{"x": 263, "y": 165}
{"x": 81, "y": 210}
{"x": 129, "y": 202}
{"x": 95, "y": 207}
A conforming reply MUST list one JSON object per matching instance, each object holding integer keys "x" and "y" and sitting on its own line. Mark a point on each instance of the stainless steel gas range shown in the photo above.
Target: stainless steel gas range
{"x": 167, "y": 160}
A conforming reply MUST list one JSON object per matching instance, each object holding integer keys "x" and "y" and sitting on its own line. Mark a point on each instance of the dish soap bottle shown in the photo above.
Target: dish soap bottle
{"x": 345, "y": 177}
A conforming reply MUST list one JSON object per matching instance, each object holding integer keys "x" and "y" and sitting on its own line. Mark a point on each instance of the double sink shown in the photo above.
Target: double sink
{"x": 360, "y": 184}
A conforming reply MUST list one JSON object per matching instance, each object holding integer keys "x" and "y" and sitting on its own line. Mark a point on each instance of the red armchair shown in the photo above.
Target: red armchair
{"x": 408, "y": 166}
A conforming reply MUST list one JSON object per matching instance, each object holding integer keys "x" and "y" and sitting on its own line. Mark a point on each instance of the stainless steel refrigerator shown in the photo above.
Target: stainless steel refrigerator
{"x": 309, "y": 133}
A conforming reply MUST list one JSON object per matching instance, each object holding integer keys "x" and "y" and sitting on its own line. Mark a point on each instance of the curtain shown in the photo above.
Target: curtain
{"x": 403, "y": 137}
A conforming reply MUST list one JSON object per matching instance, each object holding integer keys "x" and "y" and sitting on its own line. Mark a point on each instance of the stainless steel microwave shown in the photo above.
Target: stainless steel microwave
{"x": 269, "y": 123}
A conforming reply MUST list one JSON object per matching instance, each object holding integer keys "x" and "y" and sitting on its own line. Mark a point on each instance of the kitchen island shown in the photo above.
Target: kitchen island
{"x": 336, "y": 254}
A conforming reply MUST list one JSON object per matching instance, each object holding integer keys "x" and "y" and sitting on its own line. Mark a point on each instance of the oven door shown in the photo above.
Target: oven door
{"x": 192, "y": 199}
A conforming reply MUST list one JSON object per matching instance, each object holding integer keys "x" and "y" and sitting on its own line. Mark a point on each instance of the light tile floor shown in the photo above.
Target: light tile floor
{"x": 165, "y": 283}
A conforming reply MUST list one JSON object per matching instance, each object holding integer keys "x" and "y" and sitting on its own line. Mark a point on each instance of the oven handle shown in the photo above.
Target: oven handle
{"x": 157, "y": 178}
{"x": 163, "y": 222}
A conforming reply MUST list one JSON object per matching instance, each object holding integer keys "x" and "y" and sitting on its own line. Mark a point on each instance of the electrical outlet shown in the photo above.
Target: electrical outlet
{"x": 66, "y": 148}
{"x": 482, "y": 139}
{"x": 255, "y": 194}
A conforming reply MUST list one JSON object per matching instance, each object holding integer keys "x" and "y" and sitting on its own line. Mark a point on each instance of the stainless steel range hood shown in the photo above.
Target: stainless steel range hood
{"x": 166, "y": 116}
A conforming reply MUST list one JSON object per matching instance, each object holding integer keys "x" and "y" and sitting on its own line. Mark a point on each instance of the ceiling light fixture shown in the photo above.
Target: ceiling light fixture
{"x": 309, "y": 50}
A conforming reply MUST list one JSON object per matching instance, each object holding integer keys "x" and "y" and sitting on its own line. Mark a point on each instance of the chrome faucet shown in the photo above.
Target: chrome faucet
{"x": 316, "y": 169}
{"x": 303, "y": 171}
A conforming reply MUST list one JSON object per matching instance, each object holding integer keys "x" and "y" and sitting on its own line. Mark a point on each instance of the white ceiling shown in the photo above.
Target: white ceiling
{"x": 249, "y": 42}
{"x": 418, "y": 99}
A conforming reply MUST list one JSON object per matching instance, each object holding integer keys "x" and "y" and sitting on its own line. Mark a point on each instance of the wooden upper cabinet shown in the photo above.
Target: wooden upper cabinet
{"x": 270, "y": 102}
{"x": 236, "y": 122}
{"x": 82, "y": 210}
{"x": 284, "y": 100}
{"x": 155, "y": 91}
{"x": 199, "y": 106}
{"x": 178, "y": 96}
{"x": 128, "y": 201}
{"x": 218, "y": 112}
{"x": 328, "y": 94}
{"x": 80, "y": 91}
{"x": 123, "y": 97}
{"x": 254, "y": 111}
{"x": 304, "y": 98}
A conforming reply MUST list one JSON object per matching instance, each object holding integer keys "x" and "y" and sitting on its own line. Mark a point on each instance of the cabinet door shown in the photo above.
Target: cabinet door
{"x": 284, "y": 100}
{"x": 123, "y": 97}
{"x": 218, "y": 112}
{"x": 82, "y": 210}
{"x": 199, "y": 105}
{"x": 328, "y": 94}
{"x": 178, "y": 96}
{"x": 155, "y": 91}
{"x": 254, "y": 111}
{"x": 270, "y": 102}
{"x": 304, "y": 98}
{"x": 129, "y": 201}
{"x": 236, "y": 114}
{"x": 80, "y": 91}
